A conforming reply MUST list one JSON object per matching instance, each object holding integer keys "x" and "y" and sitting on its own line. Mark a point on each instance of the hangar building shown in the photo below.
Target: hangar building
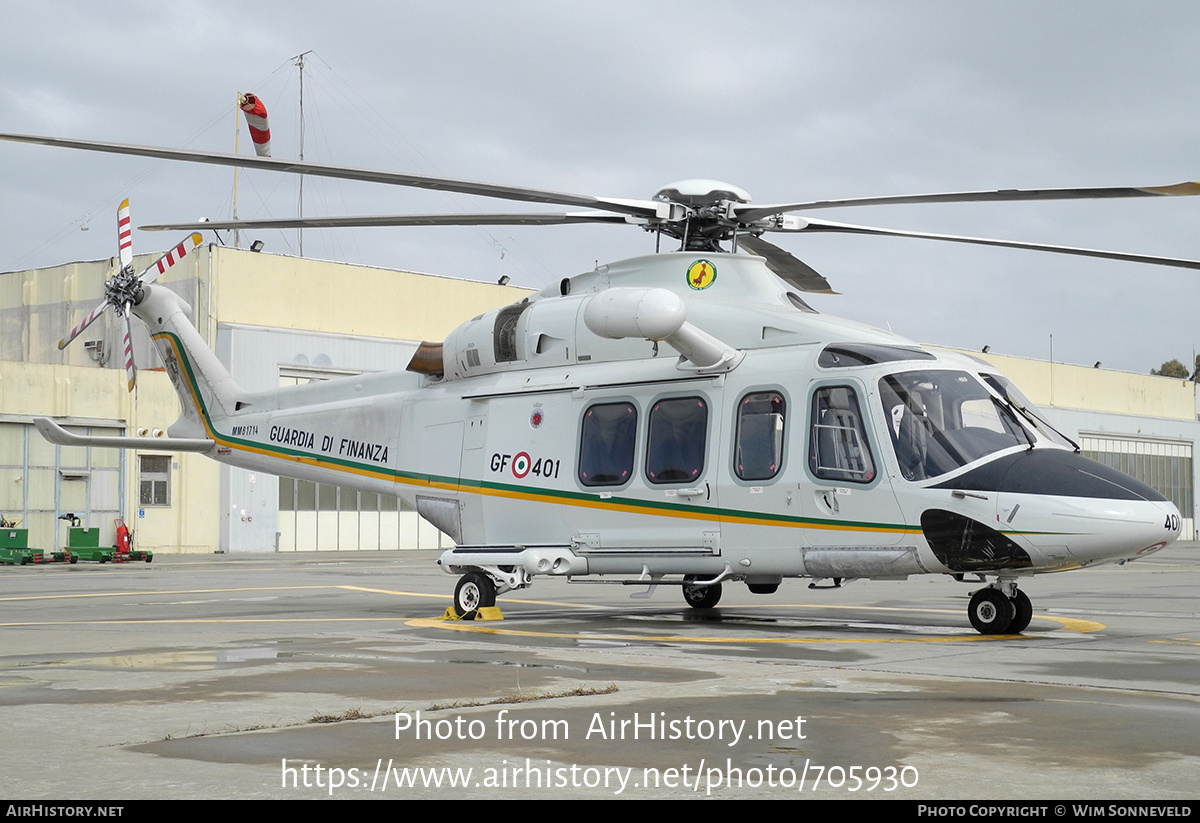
{"x": 273, "y": 320}
{"x": 276, "y": 320}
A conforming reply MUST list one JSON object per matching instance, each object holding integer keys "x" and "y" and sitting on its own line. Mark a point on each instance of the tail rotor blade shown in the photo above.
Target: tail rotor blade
{"x": 124, "y": 235}
{"x": 159, "y": 266}
{"x": 127, "y": 348}
{"x": 87, "y": 321}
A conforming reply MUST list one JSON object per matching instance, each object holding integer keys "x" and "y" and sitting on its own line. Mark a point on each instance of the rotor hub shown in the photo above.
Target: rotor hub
{"x": 709, "y": 208}
{"x": 697, "y": 191}
{"x": 123, "y": 288}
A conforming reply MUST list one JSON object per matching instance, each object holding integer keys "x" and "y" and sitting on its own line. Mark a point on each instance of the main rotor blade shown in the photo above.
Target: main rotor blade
{"x": 532, "y": 219}
{"x": 173, "y": 256}
{"x": 806, "y": 224}
{"x": 789, "y": 268}
{"x": 638, "y": 208}
{"x": 87, "y": 321}
{"x": 757, "y": 212}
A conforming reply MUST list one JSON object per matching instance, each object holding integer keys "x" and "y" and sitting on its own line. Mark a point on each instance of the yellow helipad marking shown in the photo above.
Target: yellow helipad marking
{"x": 156, "y": 592}
{"x": 390, "y": 591}
{"x": 1068, "y": 623}
{"x": 429, "y": 622}
{"x": 1071, "y": 624}
{"x": 238, "y": 620}
{"x": 164, "y": 592}
{"x": 506, "y": 599}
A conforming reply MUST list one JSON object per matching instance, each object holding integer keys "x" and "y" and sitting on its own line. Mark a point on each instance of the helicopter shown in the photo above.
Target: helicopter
{"x": 683, "y": 418}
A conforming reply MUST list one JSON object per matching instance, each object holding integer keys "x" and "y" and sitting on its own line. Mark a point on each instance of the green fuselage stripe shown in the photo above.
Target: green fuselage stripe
{"x": 536, "y": 494}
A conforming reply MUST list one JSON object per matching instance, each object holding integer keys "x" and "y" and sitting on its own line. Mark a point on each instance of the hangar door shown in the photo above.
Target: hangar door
{"x": 324, "y": 517}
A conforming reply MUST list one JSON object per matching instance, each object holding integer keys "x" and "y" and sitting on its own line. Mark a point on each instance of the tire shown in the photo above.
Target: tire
{"x": 475, "y": 590}
{"x": 991, "y": 612}
{"x": 701, "y": 597}
{"x": 1023, "y": 613}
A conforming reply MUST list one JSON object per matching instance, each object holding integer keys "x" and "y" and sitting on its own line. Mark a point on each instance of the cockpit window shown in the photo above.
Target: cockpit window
{"x": 838, "y": 449}
{"x": 1006, "y": 389}
{"x": 844, "y": 355}
{"x": 941, "y": 420}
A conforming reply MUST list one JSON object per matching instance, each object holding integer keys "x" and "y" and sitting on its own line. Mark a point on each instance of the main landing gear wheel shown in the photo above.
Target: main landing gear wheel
{"x": 701, "y": 597}
{"x": 474, "y": 591}
{"x": 1024, "y": 613}
{"x": 991, "y": 612}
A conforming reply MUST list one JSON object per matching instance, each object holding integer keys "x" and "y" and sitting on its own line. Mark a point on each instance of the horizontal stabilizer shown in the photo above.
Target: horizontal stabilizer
{"x": 57, "y": 434}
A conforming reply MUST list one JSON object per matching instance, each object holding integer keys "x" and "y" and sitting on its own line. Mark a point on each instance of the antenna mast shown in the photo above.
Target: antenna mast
{"x": 299, "y": 61}
{"x": 237, "y": 145}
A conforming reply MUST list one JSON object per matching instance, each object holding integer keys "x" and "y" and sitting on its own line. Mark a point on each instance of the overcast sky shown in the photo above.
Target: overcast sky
{"x": 789, "y": 100}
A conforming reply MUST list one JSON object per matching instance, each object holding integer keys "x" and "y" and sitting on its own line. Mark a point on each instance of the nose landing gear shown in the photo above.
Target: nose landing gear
{"x": 993, "y": 612}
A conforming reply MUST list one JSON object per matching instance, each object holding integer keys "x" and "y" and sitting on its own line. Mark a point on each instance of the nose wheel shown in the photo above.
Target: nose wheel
{"x": 993, "y": 612}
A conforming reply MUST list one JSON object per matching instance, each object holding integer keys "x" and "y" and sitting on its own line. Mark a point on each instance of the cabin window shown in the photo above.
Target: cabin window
{"x": 838, "y": 449}
{"x": 607, "y": 443}
{"x": 759, "y": 448}
{"x": 678, "y": 431}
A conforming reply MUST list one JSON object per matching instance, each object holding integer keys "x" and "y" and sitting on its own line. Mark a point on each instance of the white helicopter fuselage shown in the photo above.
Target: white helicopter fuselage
{"x": 679, "y": 414}
{"x": 558, "y": 439}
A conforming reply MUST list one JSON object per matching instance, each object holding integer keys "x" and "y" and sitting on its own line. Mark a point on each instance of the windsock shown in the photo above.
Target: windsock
{"x": 256, "y": 119}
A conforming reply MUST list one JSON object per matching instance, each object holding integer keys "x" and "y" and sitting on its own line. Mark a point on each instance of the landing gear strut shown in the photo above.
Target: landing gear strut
{"x": 701, "y": 597}
{"x": 474, "y": 591}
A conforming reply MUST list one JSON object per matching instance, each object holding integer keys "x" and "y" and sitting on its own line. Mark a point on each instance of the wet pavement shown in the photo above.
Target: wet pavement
{"x": 204, "y": 676}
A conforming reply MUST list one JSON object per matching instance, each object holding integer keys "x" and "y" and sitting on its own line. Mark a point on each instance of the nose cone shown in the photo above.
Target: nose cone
{"x": 1067, "y": 510}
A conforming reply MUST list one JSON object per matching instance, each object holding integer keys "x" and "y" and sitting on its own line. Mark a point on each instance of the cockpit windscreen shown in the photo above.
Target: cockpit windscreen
{"x": 942, "y": 420}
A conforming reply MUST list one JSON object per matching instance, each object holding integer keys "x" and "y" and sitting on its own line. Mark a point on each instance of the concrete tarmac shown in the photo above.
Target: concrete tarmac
{"x": 206, "y": 676}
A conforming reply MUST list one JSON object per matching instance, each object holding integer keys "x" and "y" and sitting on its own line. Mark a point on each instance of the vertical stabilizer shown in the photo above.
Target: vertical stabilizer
{"x": 207, "y": 392}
